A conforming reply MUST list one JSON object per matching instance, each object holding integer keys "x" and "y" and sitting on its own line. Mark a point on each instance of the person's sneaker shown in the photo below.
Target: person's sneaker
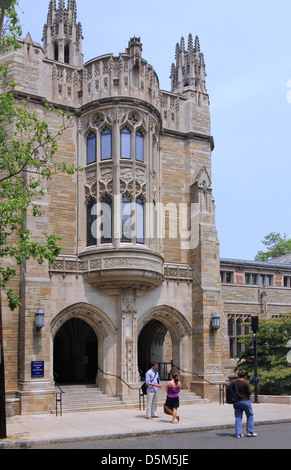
{"x": 252, "y": 434}
{"x": 239, "y": 436}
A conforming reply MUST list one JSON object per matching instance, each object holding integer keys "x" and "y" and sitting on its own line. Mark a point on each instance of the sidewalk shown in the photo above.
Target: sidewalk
{"x": 25, "y": 431}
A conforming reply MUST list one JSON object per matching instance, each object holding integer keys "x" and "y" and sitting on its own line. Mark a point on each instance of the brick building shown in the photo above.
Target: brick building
{"x": 139, "y": 276}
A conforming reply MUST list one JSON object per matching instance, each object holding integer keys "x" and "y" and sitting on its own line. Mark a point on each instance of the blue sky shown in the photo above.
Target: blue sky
{"x": 247, "y": 50}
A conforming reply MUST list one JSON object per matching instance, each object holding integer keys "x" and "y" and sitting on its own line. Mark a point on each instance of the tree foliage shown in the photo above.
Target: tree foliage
{"x": 276, "y": 245}
{"x": 28, "y": 156}
{"x": 274, "y": 370}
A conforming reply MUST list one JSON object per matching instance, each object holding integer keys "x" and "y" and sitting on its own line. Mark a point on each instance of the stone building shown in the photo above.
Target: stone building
{"x": 139, "y": 276}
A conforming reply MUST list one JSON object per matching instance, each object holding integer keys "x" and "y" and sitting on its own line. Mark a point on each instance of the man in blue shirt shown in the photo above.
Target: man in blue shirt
{"x": 153, "y": 383}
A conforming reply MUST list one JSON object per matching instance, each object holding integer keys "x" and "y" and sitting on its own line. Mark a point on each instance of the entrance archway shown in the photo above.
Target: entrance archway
{"x": 161, "y": 338}
{"x": 75, "y": 353}
{"x": 154, "y": 345}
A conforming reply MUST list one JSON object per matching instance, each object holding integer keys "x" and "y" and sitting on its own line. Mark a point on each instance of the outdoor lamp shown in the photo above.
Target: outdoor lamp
{"x": 5, "y": 4}
{"x": 215, "y": 321}
{"x": 39, "y": 319}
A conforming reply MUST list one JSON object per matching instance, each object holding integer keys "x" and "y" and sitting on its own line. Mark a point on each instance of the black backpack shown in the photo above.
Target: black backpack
{"x": 231, "y": 395}
{"x": 144, "y": 386}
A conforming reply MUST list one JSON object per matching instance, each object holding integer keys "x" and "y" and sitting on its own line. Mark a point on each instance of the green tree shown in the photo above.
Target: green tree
{"x": 274, "y": 371}
{"x": 27, "y": 156}
{"x": 276, "y": 245}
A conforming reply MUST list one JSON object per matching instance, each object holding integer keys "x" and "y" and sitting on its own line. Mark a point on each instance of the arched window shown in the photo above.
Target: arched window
{"x": 91, "y": 223}
{"x": 67, "y": 54}
{"x": 139, "y": 220}
{"x": 139, "y": 146}
{"x": 91, "y": 148}
{"x": 126, "y": 219}
{"x": 125, "y": 141}
{"x": 56, "y": 51}
{"x": 106, "y": 144}
{"x": 106, "y": 219}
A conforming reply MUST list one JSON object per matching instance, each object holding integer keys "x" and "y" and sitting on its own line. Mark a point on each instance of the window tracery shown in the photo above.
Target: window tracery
{"x": 123, "y": 144}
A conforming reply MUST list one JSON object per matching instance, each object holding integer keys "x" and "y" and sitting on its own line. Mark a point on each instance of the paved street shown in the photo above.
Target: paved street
{"x": 201, "y": 426}
{"x": 269, "y": 437}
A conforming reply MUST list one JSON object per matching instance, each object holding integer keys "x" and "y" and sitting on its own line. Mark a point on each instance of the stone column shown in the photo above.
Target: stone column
{"x": 128, "y": 339}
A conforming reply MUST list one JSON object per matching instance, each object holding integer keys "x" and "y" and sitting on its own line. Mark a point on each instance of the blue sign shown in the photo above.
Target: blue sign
{"x": 255, "y": 380}
{"x": 37, "y": 369}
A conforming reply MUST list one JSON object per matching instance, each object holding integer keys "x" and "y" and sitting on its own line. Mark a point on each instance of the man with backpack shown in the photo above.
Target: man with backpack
{"x": 153, "y": 384}
{"x": 243, "y": 404}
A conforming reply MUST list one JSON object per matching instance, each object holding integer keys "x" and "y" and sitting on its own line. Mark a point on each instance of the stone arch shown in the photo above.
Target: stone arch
{"x": 99, "y": 322}
{"x": 175, "y": 321}
{"x": 95, "y": 317}
{"x": 154, "y": 324}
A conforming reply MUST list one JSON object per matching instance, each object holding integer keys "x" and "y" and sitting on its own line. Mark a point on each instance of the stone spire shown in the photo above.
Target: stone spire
{"x": 189, "y": 70}
{"x": 62, "y": 35}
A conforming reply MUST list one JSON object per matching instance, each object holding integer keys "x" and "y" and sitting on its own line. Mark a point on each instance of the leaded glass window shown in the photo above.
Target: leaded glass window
{"x": 91, "y": 148}
{"x": 139, "y": 218}
{"x": 126, "y": 219}
{"x": 106, "y": 144}
{"x": 106, "y": 220}
{"x": 125, "y": 136}
{"x": 91, "y": 223}
{"x": 139, "y": 146}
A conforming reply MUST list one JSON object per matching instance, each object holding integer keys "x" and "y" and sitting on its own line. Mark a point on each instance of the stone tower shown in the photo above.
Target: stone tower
{"x": 62, "y": 35}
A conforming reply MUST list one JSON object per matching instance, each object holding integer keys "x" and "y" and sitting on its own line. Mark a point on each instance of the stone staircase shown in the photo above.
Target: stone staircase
{"x": 81, "y": 398}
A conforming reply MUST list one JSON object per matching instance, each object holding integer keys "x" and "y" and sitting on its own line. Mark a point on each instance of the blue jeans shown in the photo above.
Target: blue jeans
{"x": 240, "y": 407}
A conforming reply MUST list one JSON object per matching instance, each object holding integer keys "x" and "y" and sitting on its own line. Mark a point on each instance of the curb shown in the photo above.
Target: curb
{"x": 34, "y": 443}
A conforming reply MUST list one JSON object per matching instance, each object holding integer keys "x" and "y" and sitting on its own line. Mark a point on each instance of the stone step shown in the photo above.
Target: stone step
{"x": 81, "y": 398}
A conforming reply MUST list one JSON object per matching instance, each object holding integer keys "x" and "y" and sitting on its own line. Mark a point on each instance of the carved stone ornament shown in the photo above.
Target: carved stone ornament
{"x": 128, "y": 301}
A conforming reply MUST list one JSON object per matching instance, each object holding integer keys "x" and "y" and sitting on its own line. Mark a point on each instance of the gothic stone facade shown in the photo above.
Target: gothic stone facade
{"x": 138, "y": 278}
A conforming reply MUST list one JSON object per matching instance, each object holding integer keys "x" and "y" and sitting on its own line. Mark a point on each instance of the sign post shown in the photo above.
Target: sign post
{"x": 255, "y": 327}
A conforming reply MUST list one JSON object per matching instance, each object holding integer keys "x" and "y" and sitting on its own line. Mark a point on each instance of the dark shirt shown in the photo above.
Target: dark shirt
{"x": 243, "y": 389}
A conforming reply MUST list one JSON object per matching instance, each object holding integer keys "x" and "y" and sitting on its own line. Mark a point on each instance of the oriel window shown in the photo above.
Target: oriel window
{"x": 106, "y": 220}
{"x": 91, "y": 223}
{"x": 91, "y": 148}
{"x": 139, "y": 146}
{"x": 125, "y": 143}
{"x": 139, "y": 220}
{"x": 126, "y": 219}
{"x": 106, "y": 144}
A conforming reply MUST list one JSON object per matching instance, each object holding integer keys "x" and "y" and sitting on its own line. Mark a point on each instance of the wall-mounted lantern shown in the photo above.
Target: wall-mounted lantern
{"x": 39, "y": 319}
{"x": 215, "y": 321}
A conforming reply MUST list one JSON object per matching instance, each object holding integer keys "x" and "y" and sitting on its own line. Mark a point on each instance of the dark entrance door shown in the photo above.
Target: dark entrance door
{"x": 152, "y": 348}
{"x": 75, "y": 353}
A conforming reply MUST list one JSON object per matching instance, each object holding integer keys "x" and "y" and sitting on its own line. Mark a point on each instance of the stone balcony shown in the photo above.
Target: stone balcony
{"x": 122, "y": 268}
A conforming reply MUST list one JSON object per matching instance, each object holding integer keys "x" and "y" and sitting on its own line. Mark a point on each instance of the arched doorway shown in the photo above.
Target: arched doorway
{"x": 164, "y": 335}
{"x": 154, "y": 345}
{"x": 75, "y": 353}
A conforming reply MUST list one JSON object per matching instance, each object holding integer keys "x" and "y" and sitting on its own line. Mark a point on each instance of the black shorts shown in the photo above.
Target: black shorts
{"x": 172, "y": 402}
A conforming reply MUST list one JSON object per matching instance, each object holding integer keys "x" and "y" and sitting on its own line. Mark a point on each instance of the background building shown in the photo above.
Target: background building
{"x": 139, "y": 277}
